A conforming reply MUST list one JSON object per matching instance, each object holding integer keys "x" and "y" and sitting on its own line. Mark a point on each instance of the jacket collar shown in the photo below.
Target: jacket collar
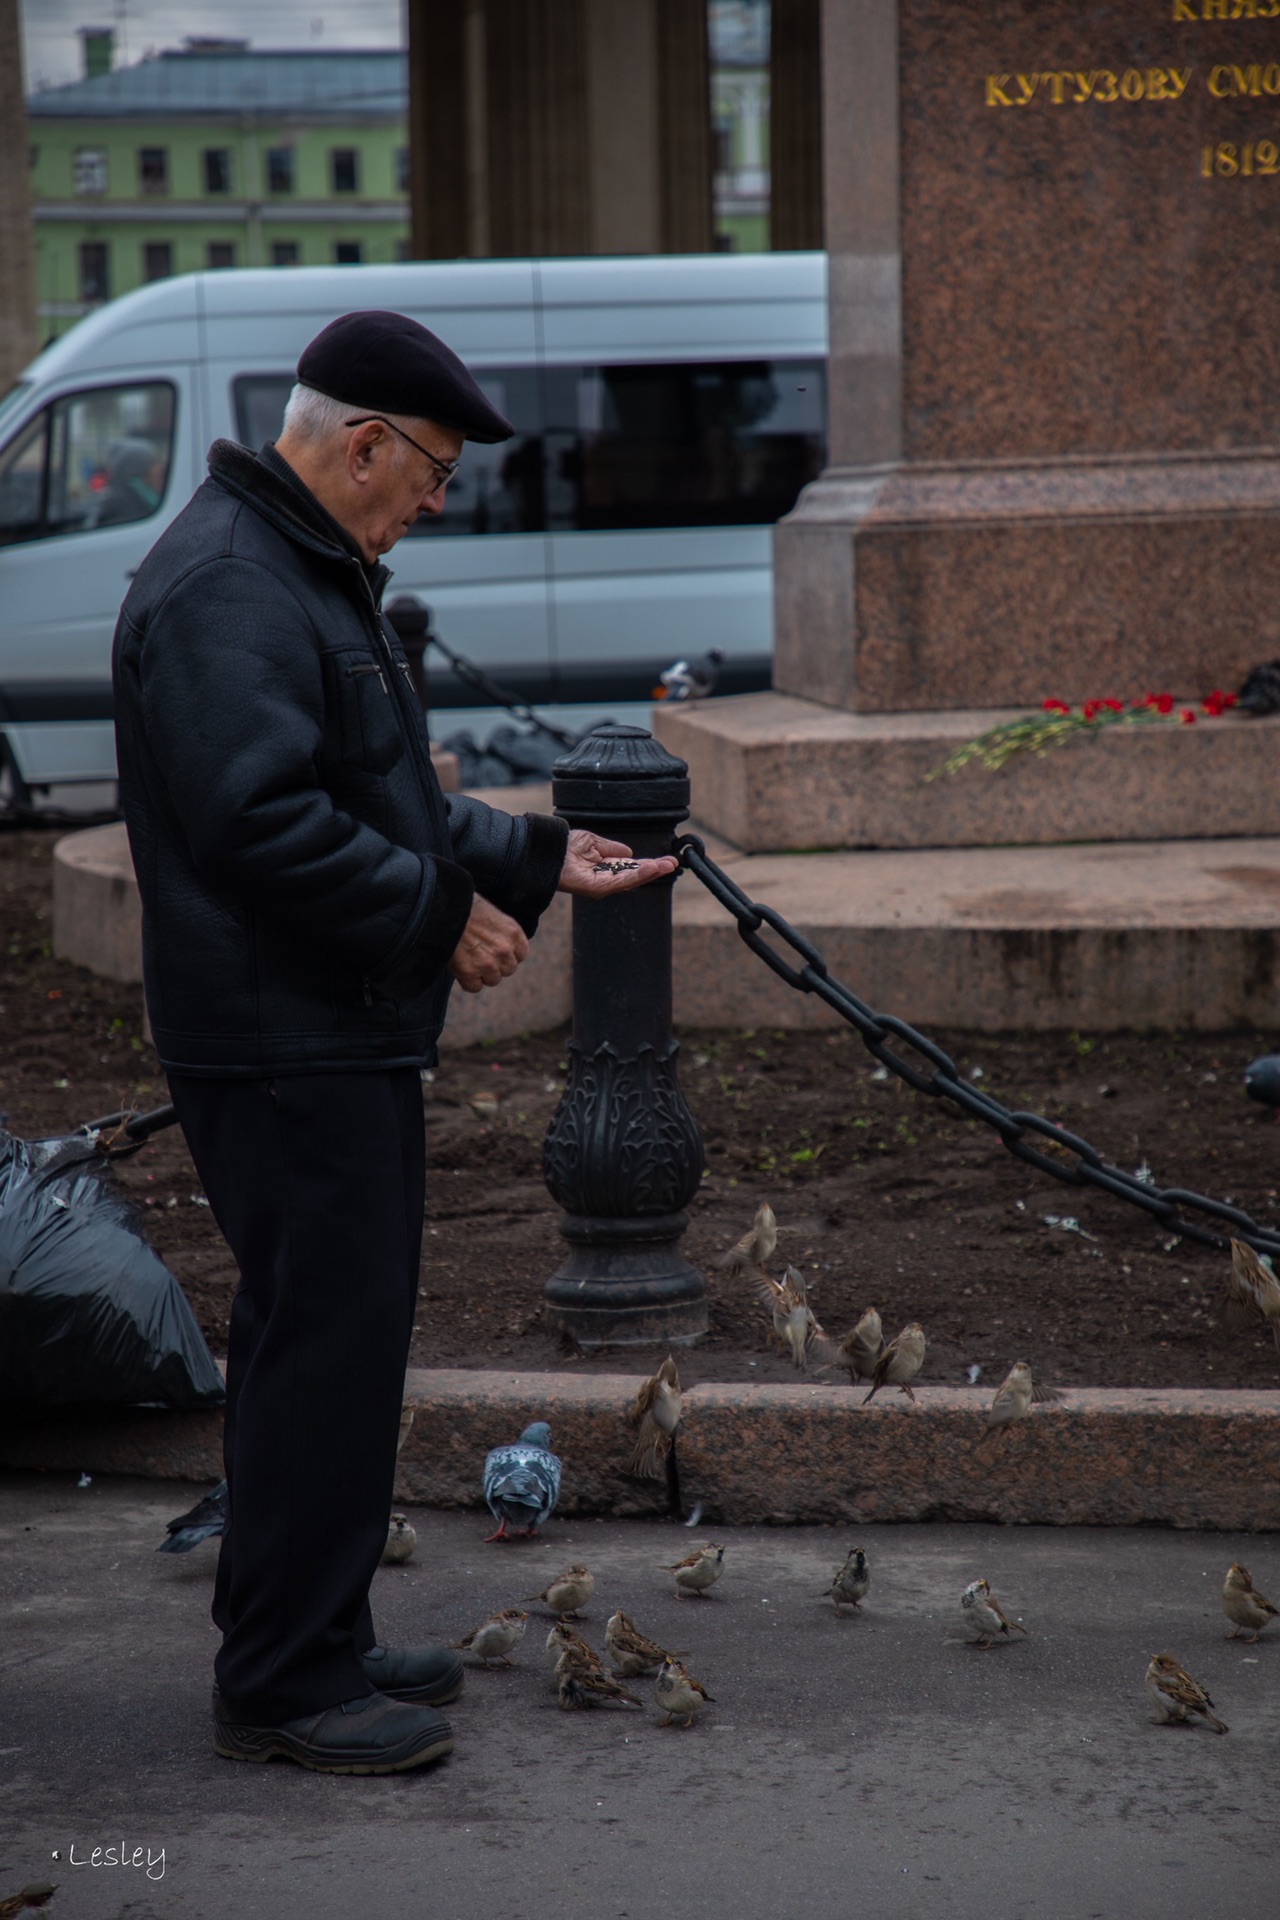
{"x": 268, "y": 484}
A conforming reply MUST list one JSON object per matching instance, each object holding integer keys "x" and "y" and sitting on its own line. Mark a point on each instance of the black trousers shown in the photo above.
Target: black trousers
{"x": 318, "y": 1184}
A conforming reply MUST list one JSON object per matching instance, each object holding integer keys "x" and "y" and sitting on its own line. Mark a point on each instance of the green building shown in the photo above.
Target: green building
{"x": 214, "y": 156}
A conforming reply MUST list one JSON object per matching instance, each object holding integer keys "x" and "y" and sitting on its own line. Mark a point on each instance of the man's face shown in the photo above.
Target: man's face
{"x": 394, "y": 481}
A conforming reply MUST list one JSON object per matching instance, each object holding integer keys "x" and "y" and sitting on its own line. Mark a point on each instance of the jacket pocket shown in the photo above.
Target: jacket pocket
{"x": 368, "y": 721}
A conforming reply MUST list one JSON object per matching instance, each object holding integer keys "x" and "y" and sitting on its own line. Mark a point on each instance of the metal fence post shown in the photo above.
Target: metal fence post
{"x": 623, "y": 1155}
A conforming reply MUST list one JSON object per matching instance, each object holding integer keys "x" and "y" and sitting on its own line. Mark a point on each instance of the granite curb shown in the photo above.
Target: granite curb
{"x": 808, "y": 1453}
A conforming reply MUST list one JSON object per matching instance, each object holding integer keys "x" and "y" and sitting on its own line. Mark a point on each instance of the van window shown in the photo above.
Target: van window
{"x": 94, "y": 459}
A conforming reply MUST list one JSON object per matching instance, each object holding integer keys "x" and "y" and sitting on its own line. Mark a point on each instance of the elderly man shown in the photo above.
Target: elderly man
{"x": 308, "y": 894}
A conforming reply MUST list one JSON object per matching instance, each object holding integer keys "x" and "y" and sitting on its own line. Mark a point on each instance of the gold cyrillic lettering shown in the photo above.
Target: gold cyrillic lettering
{"x": 1106, "y": 88}
{"x": 1131, "y": 84}
{"x": 1055, "y": 82}
{"x": 1248, "y": 79}
{"x": 1028, "y": 82}
{"x": 1180, "y": 76}
{"x": 996, "y": 96}
{"x": 1213, "y": 9}
{"x": 1245, "y": 10}
{"x": 1216, "y": 74}
{"x": 1183, "y": 10}
{"x": 1157, "y": 84}
{"x": 1084, "y": 87}
{"x": 1268, "y": 9}
{"x": 1271, "y": 78}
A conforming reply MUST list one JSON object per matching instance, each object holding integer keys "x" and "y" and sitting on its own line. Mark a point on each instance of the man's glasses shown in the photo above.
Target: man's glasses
{"x": 445, "y": 468}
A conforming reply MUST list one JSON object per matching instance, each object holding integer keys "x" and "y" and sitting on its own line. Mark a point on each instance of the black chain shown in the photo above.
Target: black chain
{"x": 1075, "y": 1162}
{"x": 476, "y": 678}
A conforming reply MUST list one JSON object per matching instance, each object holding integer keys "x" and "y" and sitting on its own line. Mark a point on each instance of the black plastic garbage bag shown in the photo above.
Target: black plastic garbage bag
{"x": 88, "y": 1313}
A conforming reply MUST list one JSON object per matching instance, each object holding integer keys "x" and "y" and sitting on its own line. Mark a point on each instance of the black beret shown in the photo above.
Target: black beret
{"x": 387, "y": 363}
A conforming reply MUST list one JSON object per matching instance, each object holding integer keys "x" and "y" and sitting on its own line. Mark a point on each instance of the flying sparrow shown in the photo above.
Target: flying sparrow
{"x": 900, "y": 1362}
{"x": 401, "y": 1540}
{"x": 494, "y": 1638}
{"x": 1243, "y": 1605}
{"x": 568, "y": 1592}
{"x": 851, "y": 1581}
{"x": 1175, "y": 1694}
{"x": 657, "y": 1414}
{"x": 1014, "y": 1396}
{"x": 677, "y": 1692}
{"x": 984, "y": 1616}
{"x": 793, "y": 1318}
{"x": 858, "y": 1352}
{"x": 1252, "y": 1290}
{"x": 522, "y": 1482}
{"x": 757, "y": 1245}
{"x": 632, "y": 1652}
{"x": 581, "y": 1683}
{"x": 698, "y": 1570}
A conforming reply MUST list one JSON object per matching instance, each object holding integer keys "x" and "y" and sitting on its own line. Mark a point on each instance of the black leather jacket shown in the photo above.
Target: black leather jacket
{"x": 303, "y": 879}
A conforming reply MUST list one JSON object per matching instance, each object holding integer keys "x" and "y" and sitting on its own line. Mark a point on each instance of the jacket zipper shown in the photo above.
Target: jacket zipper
{"x": 372, "y": 667}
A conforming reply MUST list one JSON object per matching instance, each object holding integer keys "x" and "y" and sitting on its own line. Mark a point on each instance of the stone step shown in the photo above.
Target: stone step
{"x": 771, "y": 773}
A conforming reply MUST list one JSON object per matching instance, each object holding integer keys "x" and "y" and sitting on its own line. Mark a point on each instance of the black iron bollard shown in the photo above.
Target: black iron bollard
{"x": 623, "y": 1155}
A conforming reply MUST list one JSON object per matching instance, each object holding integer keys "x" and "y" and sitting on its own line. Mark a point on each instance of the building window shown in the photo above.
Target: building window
{"x": 402, "y": 169}
{"x": 89, "y": 170}
{"x": 344, "y": 164}
{"x": 95, "y": 271}
{"x": 157, "y": 259}
{"x": 284, "y": 253}
{"x": 221, "y": 253}
{"x": 217, "y": 169}
{"x": 348, "y": 253}
{"x": 153, "y": 169}
{"x": 279, "y": 169}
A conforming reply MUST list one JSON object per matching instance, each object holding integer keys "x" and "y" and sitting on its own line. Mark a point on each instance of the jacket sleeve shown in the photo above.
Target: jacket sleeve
{"x": 514, "y": 859}
{"x": 232, "y": 699}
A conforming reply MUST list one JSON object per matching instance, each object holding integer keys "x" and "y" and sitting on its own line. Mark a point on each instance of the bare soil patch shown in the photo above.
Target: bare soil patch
{"x": 882, "y": 1196}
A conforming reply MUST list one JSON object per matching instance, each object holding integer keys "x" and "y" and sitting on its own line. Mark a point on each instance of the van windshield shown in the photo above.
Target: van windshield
{"x": 11, "y": 396}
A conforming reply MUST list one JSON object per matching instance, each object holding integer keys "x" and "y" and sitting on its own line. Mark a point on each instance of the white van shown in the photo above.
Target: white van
{"x": 667, "y": 412}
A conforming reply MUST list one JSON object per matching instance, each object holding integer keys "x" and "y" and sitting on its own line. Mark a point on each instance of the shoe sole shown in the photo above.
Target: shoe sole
{"x": 248, "y": 1743}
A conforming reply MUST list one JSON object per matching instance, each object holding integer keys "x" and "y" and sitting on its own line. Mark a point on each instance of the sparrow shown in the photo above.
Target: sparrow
{"x": 484, "y": 1105}
{"x": 756, "y": 1246}
{"x": 1175, "y": 1694}
{"x": 677, "y": 1692}
{"x": 851, "y": 1581}
{"x": 860, "y": 1349}
{"x": 494, "y": 1638}
{"x": 984, "y": 1616}
{"x": 632, "y": 1652}
{"x": 38, "y": 1894}
{"x": 522, "y": 1482}
{"x": 401, "y": 1541}
{"x": 657, "y": 1414}
{"x": 1252, "y": 1289}
{"x": 581, "y": 1681}
{"x": 692, "y": 679}
{"x": 205, "y": 1521}
{"x": 793, "y": 1318}
{"x": 1243, "y": 1605}
{"x": 698, "y": 1570}
{"x": 568, "y": 1592}
{"x": 1014, "y": 1396}
{"x": 562, "y": 1638}
{"x": 900, "y": 1362}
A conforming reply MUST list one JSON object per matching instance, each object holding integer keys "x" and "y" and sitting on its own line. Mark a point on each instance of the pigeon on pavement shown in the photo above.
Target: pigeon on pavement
{"x": 691, "y": 679}
{"x": 522, "y": 1482}
{"x": 205, "y": 1520}
{"x": 1262, "y": 1080}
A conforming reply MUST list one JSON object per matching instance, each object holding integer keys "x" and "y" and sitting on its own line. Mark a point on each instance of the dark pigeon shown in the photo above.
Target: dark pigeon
{"x": 206, "y": 1519}
{"x": 1262, "y": 1080}
{"x": 1261, "y": 690}
{"x": 522, "y": 1482}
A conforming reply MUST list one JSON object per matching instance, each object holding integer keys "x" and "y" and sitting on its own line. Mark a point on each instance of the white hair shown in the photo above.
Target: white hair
{"x": 310, "y": 415}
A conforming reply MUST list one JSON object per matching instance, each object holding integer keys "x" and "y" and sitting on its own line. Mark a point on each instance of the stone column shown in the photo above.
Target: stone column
{"x": 19, "y": 340}
{"x": 795, "y": 125}
{"x": 684, "y": 126}
{"x": 1055, "y": 368}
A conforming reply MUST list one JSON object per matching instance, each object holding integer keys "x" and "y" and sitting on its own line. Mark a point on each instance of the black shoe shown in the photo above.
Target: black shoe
{"x": 372, "y": 1735}
{"x": 431, "y": 1676}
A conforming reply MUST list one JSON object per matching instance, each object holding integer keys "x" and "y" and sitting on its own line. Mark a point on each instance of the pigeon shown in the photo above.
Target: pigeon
{"x": 1252, "y": 1289}
{"x": 1260, "y": 692}
{"x": 1175, "y": 1694}
{"x": 1243, "y": 1605}
{"x": 1262, "y": 1080}
{"x": 206, "y": 1519}
{"x": 401, "y": 1541}
{"x": 657, "y": 1414}
{"x": 495, "y": 1637}
{"x": 691, "y": 679}
{"x": 678, "y": 1693}
{"x": 851, "y": 1581}
{"x": 900, "y": 1362}
{"x": 984, "y": 1615}
{"x": 522, "y": 1482}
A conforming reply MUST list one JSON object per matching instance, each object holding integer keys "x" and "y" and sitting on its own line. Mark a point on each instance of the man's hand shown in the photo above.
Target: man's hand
{"x": 491, "y": 948}
{"x": 587, "y": 852}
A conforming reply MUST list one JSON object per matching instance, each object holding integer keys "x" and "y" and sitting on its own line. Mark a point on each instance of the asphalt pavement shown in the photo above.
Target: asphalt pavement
{"x": 872, "y": 1765}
